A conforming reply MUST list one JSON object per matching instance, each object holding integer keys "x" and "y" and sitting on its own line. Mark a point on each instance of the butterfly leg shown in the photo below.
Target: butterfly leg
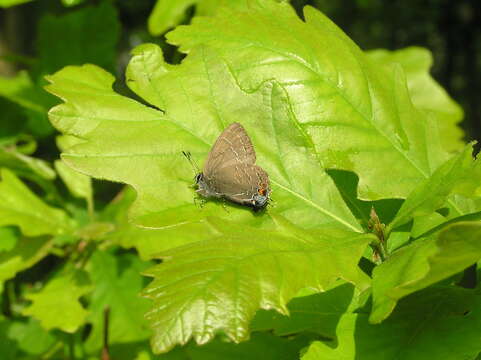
{"x": 199, "y": 202}
{"x": 272, "y": 203}
{"x": 225, "y": 206}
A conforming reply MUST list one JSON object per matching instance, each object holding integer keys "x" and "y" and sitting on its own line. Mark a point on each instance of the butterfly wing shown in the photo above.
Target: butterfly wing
{"x": 233, "y": 146}
{"x": 240, "y": 182}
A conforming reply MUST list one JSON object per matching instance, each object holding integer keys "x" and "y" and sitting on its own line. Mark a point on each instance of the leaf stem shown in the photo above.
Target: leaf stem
{"x": 105, "y": 348}
{"x": 53, "y": 350}
{"x": 90, "y": 207}
{"x": 57, "y": 251}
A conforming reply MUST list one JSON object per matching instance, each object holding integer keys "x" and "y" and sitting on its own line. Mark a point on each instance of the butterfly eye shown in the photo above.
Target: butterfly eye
{"x": 261, "y": 191}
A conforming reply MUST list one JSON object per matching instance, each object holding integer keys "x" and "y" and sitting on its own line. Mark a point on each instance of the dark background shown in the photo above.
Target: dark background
{"x": 450, "y": 29}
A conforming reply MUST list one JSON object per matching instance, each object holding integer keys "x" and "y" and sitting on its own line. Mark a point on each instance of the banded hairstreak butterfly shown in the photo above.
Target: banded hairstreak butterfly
{"x": 230, "y": 171}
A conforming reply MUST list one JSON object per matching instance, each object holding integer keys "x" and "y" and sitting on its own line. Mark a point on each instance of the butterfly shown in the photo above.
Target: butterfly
{"x": 230, "y": 171}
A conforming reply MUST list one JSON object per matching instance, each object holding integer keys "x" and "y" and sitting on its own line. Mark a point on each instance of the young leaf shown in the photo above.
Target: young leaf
{"x": 14, "y": 155}
{"x": 8, "y": 347}
{"x": 69, "y": 3}
{"x": 426, "y": 93}
{"x": 423, "y": 263}
{"x": 8, "y": 238}
{"x": 30, "y": 337}
{"x": 57, "y": 304}
{"x": 217, "y": 285}
{"x": 167, "y": 14}
{"x": 439, "y": 323}
{"x": 25, "y": 165}
{"x": 21, "y": 90}
{"x": 31, "y": 98}
{"x": 358, "y": 114}
{"x": 19, "y": 206}
{"x": 210, "y": 7}
{"x": 92, "y": 37}
{"x": 117, "y": 283}
{"x": 8, "y": 3}
{"x": 79, "y": 185}
{"x": 135, "y": 144}
{"x": 456, "y": 208}
{"x": 13, "y": 121}
{"x": 432, "y": 193}
{"x": 25, "y": 254}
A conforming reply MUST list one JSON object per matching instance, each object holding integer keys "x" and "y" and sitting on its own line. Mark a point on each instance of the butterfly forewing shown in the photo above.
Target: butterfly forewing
{"x": 233, "y": 146}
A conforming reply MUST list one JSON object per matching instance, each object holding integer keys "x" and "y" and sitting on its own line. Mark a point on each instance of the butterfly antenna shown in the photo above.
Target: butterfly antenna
{"x": 188, "y": 156}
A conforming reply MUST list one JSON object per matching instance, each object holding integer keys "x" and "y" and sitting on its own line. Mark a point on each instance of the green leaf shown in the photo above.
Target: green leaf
{"x": 8, "y": 347}
{"x": 425, "y": 92}
{"x": 149, "y": 242}
{"x": 9, "y": 3}
{"x": 19, "y": 206}
{"x": 8, "y": 238}
{"x": 457, "y": 208}
{"x": 142, "y": 153}
{"x": 347, "y": 183}
{"x": 57, "y": 304}
{"x": 423, "y": 263}
{"x": 23, "y": 143}
{"x": 260, "y": 346}
{"x": 65, "y": 142}
{"x": 25, "y": 165}
{"x": 433, "y": 192}
{"x": 12, "y": 118}
{"x": 117, "y": 283}
{"x": 25, "y": 254}
{"x": 21, "y": 90}
{"x": 358, "y": 115}
{"x": 318, "y": 313}
{"x": 35, "y": 102}
{"x": 70, "y": 3}
{"x": 79, "y": 185}
{"x": 94, "y": 231}
{"x": 90, "y": 35}
{"x": 218, "y": 285}
{"x": 211, "y": 7}
{"x": 30, "y": 337}
{"x": 14, "y": 155}
{"x": 437, "y": 323}
{"x": 167, "y": 14}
